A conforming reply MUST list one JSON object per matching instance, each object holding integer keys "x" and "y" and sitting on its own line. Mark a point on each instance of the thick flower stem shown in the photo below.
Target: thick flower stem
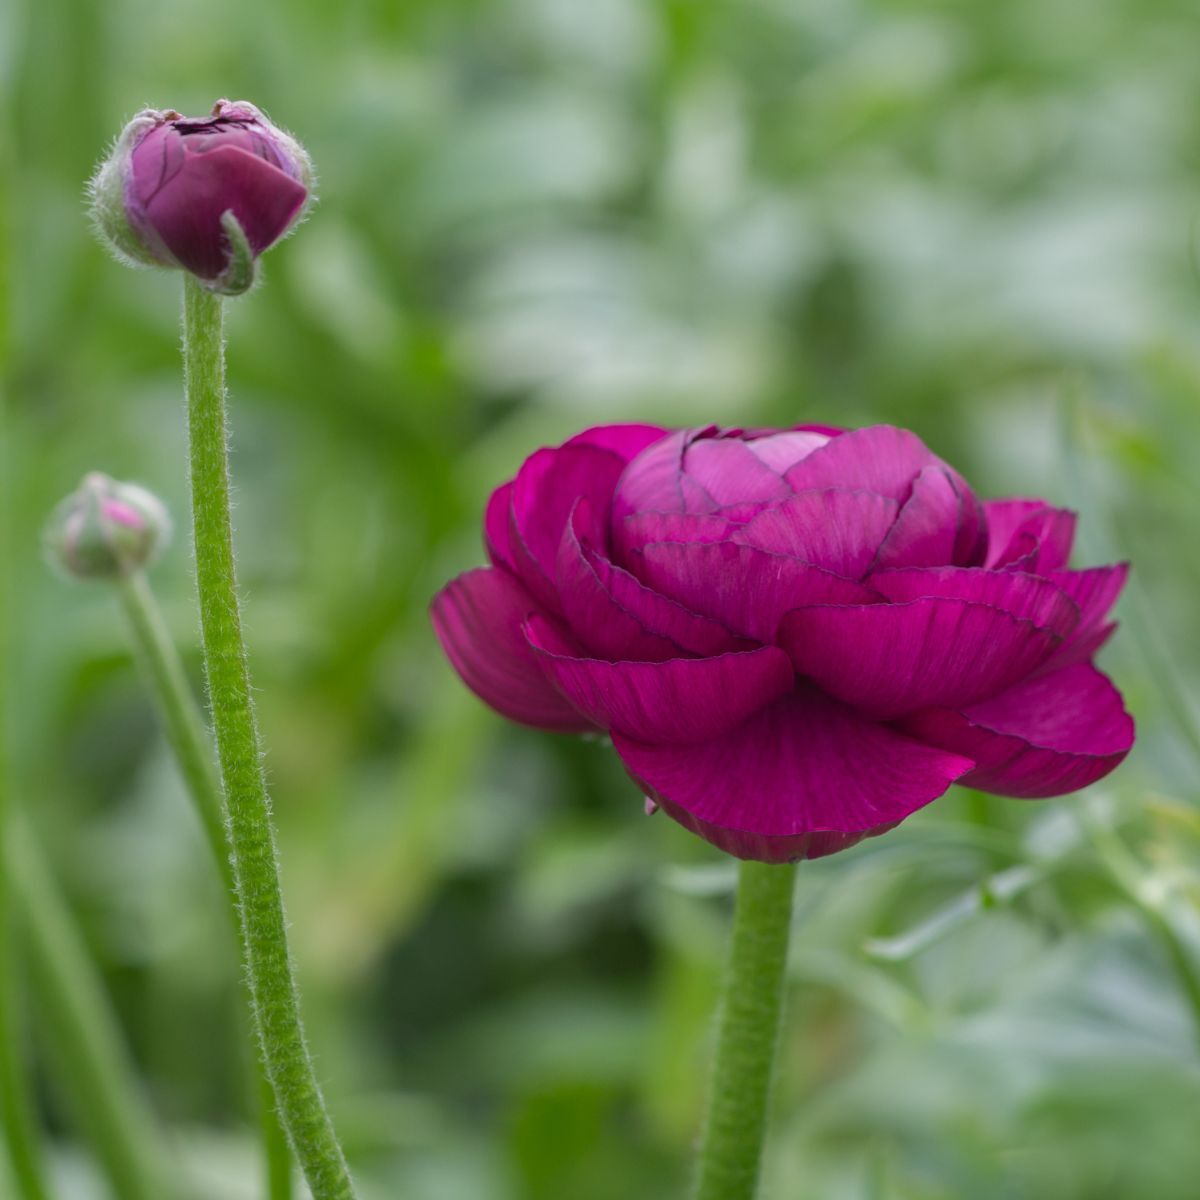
{"x": 274, "y": 998}
{"x": 748, "y": 1029}
{"x": 192, "y": 746}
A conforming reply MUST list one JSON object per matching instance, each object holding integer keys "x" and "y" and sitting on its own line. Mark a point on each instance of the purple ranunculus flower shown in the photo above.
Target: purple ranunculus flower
{"x": 796, "y": 639}
{"x": 167, "y": 193}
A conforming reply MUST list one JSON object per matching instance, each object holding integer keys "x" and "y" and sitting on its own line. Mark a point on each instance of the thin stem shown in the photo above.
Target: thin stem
{"x": 16, "y": 1105}
{"x": 274, "y": 998}
{"x": 748, "y": 1029}
{"x": 181, "y": 719}
{"x": 103, "y": 1087}
{"x": 190, "y": 741}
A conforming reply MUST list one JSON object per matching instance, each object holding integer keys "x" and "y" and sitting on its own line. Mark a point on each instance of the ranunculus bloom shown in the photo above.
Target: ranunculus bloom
{"x": 162, "y": 194}
{"x": 796, "y": 639}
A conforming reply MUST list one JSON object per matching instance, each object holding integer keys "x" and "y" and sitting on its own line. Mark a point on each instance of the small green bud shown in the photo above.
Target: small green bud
{"x": 106, "y": 530}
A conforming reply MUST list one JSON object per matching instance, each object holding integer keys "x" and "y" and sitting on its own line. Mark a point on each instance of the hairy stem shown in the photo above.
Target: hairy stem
{"x": 274, "y": 999}
{"x": 192, "y": 746}
{"x": 748, "y": 1029}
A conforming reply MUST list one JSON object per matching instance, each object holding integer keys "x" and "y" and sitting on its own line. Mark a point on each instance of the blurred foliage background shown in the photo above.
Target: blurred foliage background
{"x": 975, "y": 220}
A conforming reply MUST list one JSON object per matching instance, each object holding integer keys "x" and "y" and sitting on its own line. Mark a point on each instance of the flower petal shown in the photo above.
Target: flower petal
{"x": 627, "y": 441}
{"x": 655, "y": 480}
{"x": 731, "y": 473}
{"x": 1028, "y": 535}
{"x": 186, "y": 211}
{"x": 1029, "y": 596}
{"x": 940, "y": 523}
{"x": 616, "y": 616}
{"x": 545, "y": 491}
{"x": 892, "y": 659}
{"x": 782, "y": 451}
{"x": 478, "y": 618}
{"x": 683, "y": 700}
{"x": 1043, "y": 737}
{"x": 497, "y": 528}
{"x": 804, "y": 777}
{"x": 831, "y": 528}
{"x": 877, "y": 458}
{"x": 1094, "y": 590}
{"x": 633, "y": 532}
{"x": 744, "y": 588}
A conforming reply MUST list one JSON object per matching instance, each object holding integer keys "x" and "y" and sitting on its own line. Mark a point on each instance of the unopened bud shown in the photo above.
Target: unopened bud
{"x": 106, "y": 529}
{"x": 208, "y": 194}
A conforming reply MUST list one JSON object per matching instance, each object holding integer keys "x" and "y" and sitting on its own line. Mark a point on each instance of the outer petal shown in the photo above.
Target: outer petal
{"x": 940, "y": 523}
{"x": 744, "y": 588}
{"x": 1095, "y": 591}
{"x": 1028, "y": 535}
{"x": 627, "y": 441}
{"x": 264, "y": 199}
{"x": 683, "y": 700}
{"x": 478, "y": 618}
{"x": 1044, "y": 737}
{"x": 892, "y": 659}
{"x": 617, "y": 616}
{"x": 545, "y": 491}
{"x": 805, "y": 777}
{"x": 1028, "y": 596}
{"x": 497, "y": 528}
{"x": 832, "y": 528}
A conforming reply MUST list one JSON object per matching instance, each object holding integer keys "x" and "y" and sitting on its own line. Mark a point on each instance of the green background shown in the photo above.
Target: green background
{"x": 972, "y": 219}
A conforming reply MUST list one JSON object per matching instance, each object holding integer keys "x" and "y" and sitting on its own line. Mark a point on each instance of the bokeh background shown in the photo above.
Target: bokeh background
{"x": 974, "y": 220}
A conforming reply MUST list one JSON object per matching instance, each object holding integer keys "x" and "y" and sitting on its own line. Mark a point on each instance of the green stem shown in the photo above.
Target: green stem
{"x": 190, "y": 741}
{"x": 181, "y": 718}
{"x": 748, "y": 1029}
{"x": 274, "y": 998}
{"x": 103, "y": 1087}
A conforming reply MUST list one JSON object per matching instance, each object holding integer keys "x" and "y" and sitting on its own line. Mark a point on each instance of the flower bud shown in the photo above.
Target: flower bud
{"x": 106, "y": 530}
{"x": 208, "y": 194}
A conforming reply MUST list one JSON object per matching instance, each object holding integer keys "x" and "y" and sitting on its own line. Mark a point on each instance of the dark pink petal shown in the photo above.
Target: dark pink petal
{"x": 616, "y": 616}
{"x": 630, "y": 534}
{"x": 782, "y": 451}
{"x": 679, "y": 701}
{"x": 627, "y": 441}
{"x": 940, "y": 523}
{"x": 832, "y": 528}
{"x": 1094, "y": 590}
{"x": 1028, "y": 535}
{"x": 1043, "y": 737}
{"x": 1037, "y": 600}
{"x": 1005, "y": 519}
{"x": 879, "y": 458}
{"x": 744, "y": 588}
{"x": 804, "y": 777}
{"x": 545, "y": 491}
{"x": 478, "y": 618}
{"x": 186, "y": 211}
{"x": 892, "y": 659}
{"x": 497, "y": 528}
